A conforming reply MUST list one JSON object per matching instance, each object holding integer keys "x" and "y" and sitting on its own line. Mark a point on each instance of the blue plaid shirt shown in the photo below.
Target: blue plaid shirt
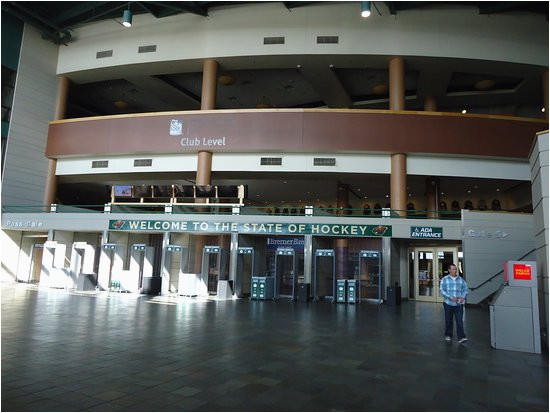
{"x": 450, "y": 288}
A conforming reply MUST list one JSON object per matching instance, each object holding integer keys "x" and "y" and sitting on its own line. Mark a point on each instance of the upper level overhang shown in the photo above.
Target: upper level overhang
{"x": 295, "y": 130}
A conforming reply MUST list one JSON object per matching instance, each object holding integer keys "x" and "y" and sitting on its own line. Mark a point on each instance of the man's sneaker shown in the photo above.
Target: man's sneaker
{"x": 447, "y": 338}
{"x": 463, "y": 340}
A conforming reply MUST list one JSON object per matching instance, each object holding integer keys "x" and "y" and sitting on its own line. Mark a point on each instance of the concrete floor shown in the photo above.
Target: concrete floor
{"x": 70, "y": 351}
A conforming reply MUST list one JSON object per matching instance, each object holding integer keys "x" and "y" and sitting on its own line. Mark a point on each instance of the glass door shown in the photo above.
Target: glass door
{"x": 430, "y": 266}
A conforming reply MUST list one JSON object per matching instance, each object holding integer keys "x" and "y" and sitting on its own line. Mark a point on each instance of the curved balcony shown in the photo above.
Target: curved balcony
{"x": 295, "y": 130}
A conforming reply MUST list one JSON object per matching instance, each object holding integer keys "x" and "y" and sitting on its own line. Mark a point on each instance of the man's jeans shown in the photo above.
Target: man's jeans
{"x": 456, "y": 312}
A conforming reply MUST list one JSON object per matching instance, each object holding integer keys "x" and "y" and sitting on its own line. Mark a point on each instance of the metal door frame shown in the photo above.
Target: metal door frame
{"x": 239, "y": 276}
{"x": 208, "y": 250}
{"x": 285, "y": 252}
{"x": 436, "y": 297}
{"x": 319, "y": 253}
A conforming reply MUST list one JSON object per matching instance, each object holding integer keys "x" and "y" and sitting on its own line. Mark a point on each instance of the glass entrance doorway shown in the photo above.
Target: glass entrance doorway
{"x": 430, "y": 266}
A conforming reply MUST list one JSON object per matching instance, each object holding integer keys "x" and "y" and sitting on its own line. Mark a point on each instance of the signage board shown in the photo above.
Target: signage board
{"x": 427, "y": 232}
{"x": 342, "y": 230}
{"x": 369, "y": 254}
{"x": 522, "y": 272}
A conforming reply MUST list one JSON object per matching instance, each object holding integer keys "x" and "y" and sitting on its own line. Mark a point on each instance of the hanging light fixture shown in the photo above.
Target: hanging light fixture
{"x": 127, "y": 17}
{"x": 365, "y": 8}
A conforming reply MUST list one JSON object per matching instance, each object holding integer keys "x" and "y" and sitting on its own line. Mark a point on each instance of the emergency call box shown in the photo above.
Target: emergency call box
{"x": 520, "y": 273}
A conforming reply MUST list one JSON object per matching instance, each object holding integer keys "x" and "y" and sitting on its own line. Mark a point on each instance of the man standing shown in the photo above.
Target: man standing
{"x": 454, "y": 289}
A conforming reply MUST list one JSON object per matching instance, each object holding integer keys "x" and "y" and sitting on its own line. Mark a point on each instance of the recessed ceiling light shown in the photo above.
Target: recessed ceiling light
{"x": 121, "y": 104}
{"x": 442, "y": 193}
{"x": 226, "y": 80}
{"x": 544, "y": 109}
{"x": 366, "y": 197}
{"x": 484, "y": 84}
{"x": 464, "y": 111}
{"x": 380, "y": 89}
{"x": 410, "y": 195}
{"x": 498, "y": 189}
{"x": 284, "y": 182}
{"x": 387, "y": 196}
{"x": 475, "y": 186}
{"x": 469, "y": 191}
{"x": 359, "y": 189}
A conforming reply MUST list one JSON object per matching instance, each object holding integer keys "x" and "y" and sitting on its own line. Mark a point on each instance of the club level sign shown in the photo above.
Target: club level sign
{"x": 427, "y": 232}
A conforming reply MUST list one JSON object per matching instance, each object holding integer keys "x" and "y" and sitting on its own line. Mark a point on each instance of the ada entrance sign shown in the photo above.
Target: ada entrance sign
{"x": 427, "y": 232}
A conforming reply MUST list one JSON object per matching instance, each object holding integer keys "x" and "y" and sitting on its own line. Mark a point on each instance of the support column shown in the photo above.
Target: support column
{"x": 432, "y": 197}
{"x": 398, "y": 181}
{"x": 204, "y": 158}
{"x": 341, "y": 245}
{"x": 397, "y": 84}
{"x": 50, "y": 186}
{"x": 545, "y": 92}
{"x": 430, "y": 104}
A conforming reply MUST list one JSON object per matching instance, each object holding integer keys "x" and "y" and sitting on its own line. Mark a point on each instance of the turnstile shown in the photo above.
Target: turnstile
{"x": 286, "y": 279}
{"x": 514, "y": 311}
{"x": 245, "y": 269}
{"x": 371, "y": 285}
{"x": 324, "y": 286}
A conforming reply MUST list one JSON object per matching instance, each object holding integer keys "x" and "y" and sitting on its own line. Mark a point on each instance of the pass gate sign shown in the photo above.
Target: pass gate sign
{"x": 427, "y": 232}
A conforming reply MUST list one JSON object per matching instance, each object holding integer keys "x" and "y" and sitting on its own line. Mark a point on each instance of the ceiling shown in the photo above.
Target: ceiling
{"x": 57, "y": 19}
{"x": 338, "y": 81}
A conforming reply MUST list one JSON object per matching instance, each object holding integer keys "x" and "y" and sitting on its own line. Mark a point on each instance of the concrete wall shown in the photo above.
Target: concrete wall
{"x": 33, "y": 107}
{"x": 455, "y": 32}
{"x": 490, "y": 239}
{"x": 11, "y": 241}
{"x": 539, "y": 190}
{"x": 345, "y": 163}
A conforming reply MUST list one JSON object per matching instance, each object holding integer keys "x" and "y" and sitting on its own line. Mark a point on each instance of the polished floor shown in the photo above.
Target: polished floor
{"x": 64, "y": 351}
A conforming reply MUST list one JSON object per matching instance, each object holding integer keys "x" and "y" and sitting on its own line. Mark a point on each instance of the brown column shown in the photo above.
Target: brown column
{"x": 545, "y": 92}
{"x": 204, "y": 158}
{"x": 341, "y": 245}
{"x": 397, "y": 84}
{"x": 430, "y": 104}
{"x": 50, "y": 186}
{"x": 432, "y": 196}
{"x": 398, "y": 183}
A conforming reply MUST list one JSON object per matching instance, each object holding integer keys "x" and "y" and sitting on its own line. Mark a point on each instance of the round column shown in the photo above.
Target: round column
{"x": 397, "y": 84}
{"x": 398, "y": 180}
{"x": 398, "y": 183}
{"x": 50, "y": 186}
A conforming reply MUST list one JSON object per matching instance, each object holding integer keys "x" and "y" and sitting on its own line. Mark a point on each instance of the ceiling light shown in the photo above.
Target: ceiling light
{"x": 226, "y": 80}
{"x": 127, "y": 17}
{"x": 469, "y": 191}
{"x": 387, "y": 196}
{"x": 380, "y": 89}
{"x": 498, "y": 189}
{"x": 484, "y": 84}
{"x": 463, "y": 110}
{"x": 410, "y": 195}
{"x": 365, "y": 8}
{"x": 475, "y": 186}
{"x": 543, "y": 109}
{"x": 120, "y": 104}
{"x": 442, "y": 193}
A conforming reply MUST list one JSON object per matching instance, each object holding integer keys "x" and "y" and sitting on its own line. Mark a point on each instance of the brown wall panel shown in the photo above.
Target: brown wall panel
{"x": 295, "y": 131}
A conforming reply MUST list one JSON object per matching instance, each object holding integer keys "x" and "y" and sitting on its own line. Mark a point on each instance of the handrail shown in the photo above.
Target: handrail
{"x": 500, "y": 272}
{"x": 275, "y": 210}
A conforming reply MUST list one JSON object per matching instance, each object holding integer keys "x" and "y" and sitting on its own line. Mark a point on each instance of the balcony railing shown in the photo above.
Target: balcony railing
{"x": 235, "y": 209}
